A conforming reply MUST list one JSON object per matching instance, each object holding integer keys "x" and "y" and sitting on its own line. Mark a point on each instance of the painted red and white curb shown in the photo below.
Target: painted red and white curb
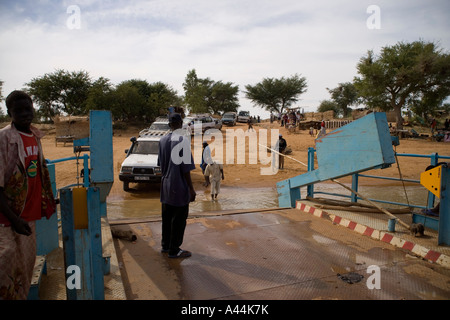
{"x": 421, "y": 251}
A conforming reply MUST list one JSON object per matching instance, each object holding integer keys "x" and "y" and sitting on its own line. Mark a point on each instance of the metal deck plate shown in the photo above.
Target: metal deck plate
{"x": 273, "y": 255}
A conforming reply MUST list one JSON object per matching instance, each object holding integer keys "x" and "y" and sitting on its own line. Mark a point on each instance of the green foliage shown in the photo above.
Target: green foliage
{"x": 195, "y": 92}
{"x": 132, "y": 100}
{"x": 100, "y": 95}
{"x": 3, "y": 117}
{"x": 224, "y": 97}
{"x": 413, "y": 74}
{"x": 208, "y": 96}
{"x": 74, "y": 93}
{"x": 60, "y": 92}
{"x": 343, "y": 96}
{"x": 1, "y": 90}
{"x": 276, "y": 94}
{"x": 327, "y": 105}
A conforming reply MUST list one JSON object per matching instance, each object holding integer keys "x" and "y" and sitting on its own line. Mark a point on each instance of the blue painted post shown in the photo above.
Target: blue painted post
{"x": 47, "y": 230}
{"x": 86, "y": 171}
{"x": 83, "y": 247}
{"x": 444, "y": 207}
{"x": 95, "y": 245}
{"x": 287, "y": 196}
{"x": 68, "y": 235}
{"x": 310, "y": 188}
{"x": 101, "y": 148}
{"x": 431, "y": 197}
{"x": 355, "y": 177}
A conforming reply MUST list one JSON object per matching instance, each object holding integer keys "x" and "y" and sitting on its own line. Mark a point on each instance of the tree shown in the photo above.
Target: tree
{"x": 327, "y": 105}
{"x": 3, "y": 117}
{"x": 223, "y": 98}
{"x": 276, "y": 94}
{"x": 127, "y": 102}
{"x": 100, "y": 95}
{"x": 2, "y": 114}
{"x": 161, "y": 96}
{"x": 60, "y": 92}
{"x": 208, "y": 96}
{"x": 132, "y": 100}
{"x": 1, "y": 90}
{"x": 414, "y": 74}
{"x": 196, "y": 92}
{"x": 344, "y": 96}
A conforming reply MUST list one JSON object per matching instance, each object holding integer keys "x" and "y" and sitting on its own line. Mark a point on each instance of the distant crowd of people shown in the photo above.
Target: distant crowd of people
{"x": 287, "y": 119}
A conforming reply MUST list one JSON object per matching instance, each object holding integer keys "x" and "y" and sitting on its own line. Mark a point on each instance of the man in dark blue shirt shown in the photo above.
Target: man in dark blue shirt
{"x": 177, "y": 191}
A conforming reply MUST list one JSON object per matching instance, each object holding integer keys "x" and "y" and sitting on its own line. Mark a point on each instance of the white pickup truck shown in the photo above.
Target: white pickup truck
{"x": 141, "y": 163}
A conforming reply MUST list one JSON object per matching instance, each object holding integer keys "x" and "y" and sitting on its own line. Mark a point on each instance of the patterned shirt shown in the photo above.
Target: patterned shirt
{"x": 13, "y": 173}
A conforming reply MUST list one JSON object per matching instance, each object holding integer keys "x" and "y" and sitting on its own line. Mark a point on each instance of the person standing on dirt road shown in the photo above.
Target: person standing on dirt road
{"x": 433, "y": 125}
{"x": 281, "y": 148}
{"x": 214, "y": 174}
{"x": 177, "y": 190}
{"x": 206, "y": 159}
{"x": 25, "y": 196}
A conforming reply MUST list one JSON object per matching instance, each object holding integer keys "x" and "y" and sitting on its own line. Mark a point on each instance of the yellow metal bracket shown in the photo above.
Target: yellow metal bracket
{"x": 80, "y": 211}
{"x": 431, "y": 179}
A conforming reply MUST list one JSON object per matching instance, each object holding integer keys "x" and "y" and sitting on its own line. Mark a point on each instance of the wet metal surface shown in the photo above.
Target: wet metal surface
{"x": 274, "y": 255}
{"x": 144, "y": 203}
{"x": 143, "y": 200}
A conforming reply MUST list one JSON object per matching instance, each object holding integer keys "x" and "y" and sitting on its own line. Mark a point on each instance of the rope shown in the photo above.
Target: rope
{"x": 401, "y": 176}
{"x": 350, "y": 189}
{"x": 283, "y": 155}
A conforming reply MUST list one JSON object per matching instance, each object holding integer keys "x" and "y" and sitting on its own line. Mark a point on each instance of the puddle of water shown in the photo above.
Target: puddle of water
{"x": 323, "y": 240}
{"x": 145, "y": 202}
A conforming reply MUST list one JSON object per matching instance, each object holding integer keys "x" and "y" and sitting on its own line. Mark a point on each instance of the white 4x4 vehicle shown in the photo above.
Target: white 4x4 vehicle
{"x": 206, "y": 120}
{"x": 141, "y": 163}
{"x": 159, "y": 127}
{"x": 243, "y": 116}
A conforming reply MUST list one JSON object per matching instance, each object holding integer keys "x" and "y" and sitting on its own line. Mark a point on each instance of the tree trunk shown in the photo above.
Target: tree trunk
{"x": 398, "y": 117}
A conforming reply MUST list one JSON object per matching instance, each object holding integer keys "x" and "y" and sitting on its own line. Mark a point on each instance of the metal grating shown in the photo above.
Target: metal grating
{"x": 273, "y": 255}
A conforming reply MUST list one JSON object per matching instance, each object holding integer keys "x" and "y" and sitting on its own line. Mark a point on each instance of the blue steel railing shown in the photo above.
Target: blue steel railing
{"x": 84, "y": 157}
{"x": 434, "y": 159}
{"x": 49, "y": 227}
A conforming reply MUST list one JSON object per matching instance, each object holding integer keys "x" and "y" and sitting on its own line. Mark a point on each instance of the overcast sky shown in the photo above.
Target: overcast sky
{"x": 238, "y": 41}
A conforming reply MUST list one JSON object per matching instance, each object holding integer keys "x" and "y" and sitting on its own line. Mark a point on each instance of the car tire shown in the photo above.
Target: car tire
{"x": 126, "y": 186}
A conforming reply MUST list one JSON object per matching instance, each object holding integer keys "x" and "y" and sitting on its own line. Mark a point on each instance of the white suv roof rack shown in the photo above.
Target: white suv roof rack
{"x": 152, "y": 133}
{"x": 161, "y": 119}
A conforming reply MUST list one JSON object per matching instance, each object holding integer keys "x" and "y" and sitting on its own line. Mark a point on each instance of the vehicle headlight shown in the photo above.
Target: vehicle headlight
{"x": 157, "y": 170}
{"x": 127, "y": 169}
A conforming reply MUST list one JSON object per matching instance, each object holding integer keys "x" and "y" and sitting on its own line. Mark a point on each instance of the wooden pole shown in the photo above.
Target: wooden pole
{"x": 372, "y": 203}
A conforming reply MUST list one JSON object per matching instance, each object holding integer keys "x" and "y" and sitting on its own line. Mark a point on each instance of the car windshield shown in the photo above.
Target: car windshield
{"x": 228, "y": 116}
{"x": 243, "y": 113}
{"x": 159, "y": 126}
{"x": 145, "y": 147}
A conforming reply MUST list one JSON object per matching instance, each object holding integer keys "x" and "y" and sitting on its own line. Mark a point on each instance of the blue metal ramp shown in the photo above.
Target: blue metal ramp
{"x": 362, "y": 145}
